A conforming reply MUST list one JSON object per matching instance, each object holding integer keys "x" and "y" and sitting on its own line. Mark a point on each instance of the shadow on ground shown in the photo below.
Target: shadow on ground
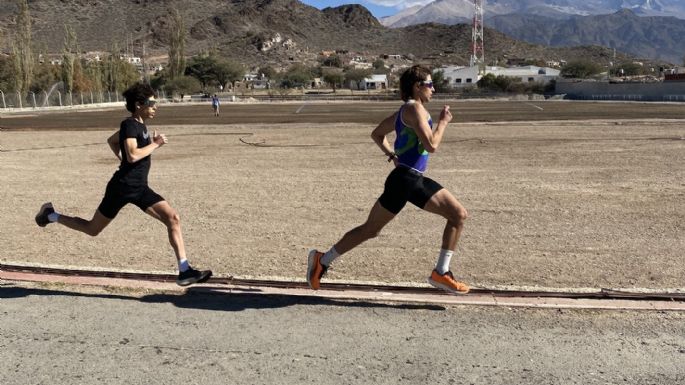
{"x": 204, "y": 298}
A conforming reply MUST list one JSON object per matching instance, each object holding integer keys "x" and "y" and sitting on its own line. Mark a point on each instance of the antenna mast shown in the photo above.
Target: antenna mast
{"x": 478, "y": 55}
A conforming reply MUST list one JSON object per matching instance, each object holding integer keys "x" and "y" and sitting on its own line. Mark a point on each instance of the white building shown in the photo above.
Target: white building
{"x": 460, "y": 77}
{"x": 527, "y": 74}
{"x": 374, "y": 82}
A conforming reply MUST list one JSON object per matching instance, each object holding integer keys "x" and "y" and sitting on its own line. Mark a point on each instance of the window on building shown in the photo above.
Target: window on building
{"x": 469, "y": 80}
{"x": 458, "y": 80}
{"x": 531, "y": 80}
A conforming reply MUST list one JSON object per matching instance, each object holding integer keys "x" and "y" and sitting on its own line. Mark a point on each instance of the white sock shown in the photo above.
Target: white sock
{"x": 183, "y": 265}
{"x": 53, "y": 217}
{"x": 329, "y": 257}
{"x": 443, "y": 265}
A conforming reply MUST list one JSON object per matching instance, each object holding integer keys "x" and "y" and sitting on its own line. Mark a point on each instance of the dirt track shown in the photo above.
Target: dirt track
{"x": 571, "y": 203}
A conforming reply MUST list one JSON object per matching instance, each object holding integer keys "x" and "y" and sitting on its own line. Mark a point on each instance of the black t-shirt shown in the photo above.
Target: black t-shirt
{"x": 133, "y": 174}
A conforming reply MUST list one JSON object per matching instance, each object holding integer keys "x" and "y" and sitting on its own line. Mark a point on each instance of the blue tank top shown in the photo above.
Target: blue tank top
{"x": 408, "y": 147}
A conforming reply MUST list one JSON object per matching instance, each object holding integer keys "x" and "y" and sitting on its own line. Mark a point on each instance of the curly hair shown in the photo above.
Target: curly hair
{"x": 137, "y": 93}
{"x": 417, "y": 73}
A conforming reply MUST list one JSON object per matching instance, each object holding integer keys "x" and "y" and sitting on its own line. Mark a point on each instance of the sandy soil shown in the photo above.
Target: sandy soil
{"x": 591, "y": 203}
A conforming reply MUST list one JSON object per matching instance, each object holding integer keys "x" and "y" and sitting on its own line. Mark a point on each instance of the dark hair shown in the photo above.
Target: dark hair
{"x": 137, "y": 93}
{"x": 412, "y": 75}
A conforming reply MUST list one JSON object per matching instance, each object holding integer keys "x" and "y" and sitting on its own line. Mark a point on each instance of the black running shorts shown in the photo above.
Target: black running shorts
{"x": 119, "y": 195}
{"x": 406, "y": 185}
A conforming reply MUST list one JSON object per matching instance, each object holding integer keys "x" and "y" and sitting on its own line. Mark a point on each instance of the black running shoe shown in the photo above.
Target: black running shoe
{"x": 42, "y": 216}
{"x": 192, "y": 276}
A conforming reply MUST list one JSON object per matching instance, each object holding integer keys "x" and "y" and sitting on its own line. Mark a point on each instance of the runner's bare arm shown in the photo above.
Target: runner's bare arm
{"x": 134, "y": 154}
{"x": 379, "y": 134}
{"x": 113, "y": 142}
{"x": 417, "y": 118}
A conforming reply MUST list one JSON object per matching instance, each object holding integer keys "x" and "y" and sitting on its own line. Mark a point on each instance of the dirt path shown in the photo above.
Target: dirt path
{"x": 552, "y": 204}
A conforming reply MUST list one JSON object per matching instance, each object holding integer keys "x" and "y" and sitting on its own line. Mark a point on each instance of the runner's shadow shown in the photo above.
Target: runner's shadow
{"x": 220, "y": 300}
{"x": 203, "y": 298}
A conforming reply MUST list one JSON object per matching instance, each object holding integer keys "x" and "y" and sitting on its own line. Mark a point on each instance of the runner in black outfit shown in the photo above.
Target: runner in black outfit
{"x": 133, "y": 144}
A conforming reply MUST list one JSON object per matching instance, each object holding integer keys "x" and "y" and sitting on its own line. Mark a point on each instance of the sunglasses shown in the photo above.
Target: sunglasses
{"x": 150, "y": 103}
{"x": 427, "y": 84}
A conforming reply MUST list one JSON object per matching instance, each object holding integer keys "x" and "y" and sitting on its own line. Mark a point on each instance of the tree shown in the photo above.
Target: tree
{"x": 182, "y": 85}
{"x": 379, "y": 64}
{"x": 331, "y": 61}
{"x": 69, "y": 60}
{"x": 356, "y": 75}
{"x": 439, "y": 81}
{"x": 6, "y": 74}
{"x": 202, "y": 68}
{"x": 580, "y": 69}
{"x": 267, "y": 71}
{"x": 627, "y": 69}
{"x": 177, "y": 43}
{"x": 209, "y": 68}
{"x": 227, "y": 71}
{"x": 22, "y": 50}
{"x": 296, "y": 76}
{"x": 118, "y": 74}
{"x": 333, "y": 78}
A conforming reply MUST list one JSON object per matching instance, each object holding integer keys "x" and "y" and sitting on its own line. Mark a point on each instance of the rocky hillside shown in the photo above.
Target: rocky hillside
{"x": 257, "y": 32}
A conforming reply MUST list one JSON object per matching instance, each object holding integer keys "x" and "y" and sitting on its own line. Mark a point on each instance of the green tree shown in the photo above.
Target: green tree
{"x": 331, "y": 61}
{"x": 44, "y": 76}
{"x": 333, "y": 78}
{"x": 117, "y": 73}
{"x": 378, "y": 64}
{"x": 268, "y": 71}
{"x": 356, "y": 75}
{"x": 627, "y": 69}
{"x": 22, "y": 49}
{"x": 69, "y": 58}
{"x": 580, "y": 69}
{"x": 202, "y": 68}
{"x": 227, "y": 71}
{"x": 6, "y": 74}
{"x": 183, "y": 85}
{"x": 177, "y": 43}
{"x": 297, "y": 75}
{"x": 439, "y": 81}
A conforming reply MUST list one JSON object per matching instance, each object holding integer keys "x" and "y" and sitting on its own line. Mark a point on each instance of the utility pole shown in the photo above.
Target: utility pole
{"x": 478, "y": 53}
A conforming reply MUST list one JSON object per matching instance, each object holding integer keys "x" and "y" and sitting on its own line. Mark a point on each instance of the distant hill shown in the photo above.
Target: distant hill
{"x": 653, "y": 37}
{"x": 456, "y": 11}
{"x": 257, "y": 32}
{"x": 644, "y": 28}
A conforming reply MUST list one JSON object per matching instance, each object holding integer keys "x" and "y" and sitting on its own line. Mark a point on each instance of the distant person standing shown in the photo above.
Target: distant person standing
{"x": 415, "y": 139}
{"x": 215, "y": 104}
{"x": 133, "y": 145}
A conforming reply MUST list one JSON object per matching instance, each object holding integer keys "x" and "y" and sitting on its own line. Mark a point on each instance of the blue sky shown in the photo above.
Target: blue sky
{"x": 378, "y": 8}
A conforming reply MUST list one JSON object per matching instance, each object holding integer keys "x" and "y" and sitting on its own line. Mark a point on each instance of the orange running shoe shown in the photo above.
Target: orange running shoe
{"x": 448, "y": 283}
{"x": 315, "y": 270}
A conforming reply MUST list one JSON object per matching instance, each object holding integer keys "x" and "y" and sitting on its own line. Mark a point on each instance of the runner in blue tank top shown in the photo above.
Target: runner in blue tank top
{"x": 416, "y": 139}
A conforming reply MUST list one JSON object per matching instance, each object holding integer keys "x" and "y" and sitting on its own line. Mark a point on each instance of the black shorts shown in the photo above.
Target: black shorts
{"x": 119, "y": 195}
{"x": 406, "y": 185}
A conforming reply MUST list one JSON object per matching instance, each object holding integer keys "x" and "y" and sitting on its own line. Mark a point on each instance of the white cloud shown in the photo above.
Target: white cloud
{"x": 401, "y": 4}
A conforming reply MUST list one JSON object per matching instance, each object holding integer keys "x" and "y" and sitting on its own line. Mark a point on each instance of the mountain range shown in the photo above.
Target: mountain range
{"x": 259, "y": 32}
{"x": 459, "y": 11}
{"x": 643, "y": 28}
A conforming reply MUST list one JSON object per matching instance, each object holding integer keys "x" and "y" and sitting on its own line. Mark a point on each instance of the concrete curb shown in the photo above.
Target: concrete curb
{"x": 380, "y": 294}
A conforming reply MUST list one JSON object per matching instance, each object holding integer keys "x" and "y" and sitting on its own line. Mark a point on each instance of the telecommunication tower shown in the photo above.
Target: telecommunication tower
{"x": 478, "y": 55}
